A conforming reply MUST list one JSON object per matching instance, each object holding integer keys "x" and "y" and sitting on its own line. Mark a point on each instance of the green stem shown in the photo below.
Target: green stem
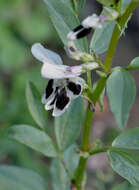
{"x": 89, "y": 80}
{"x": 97, "y": 151}
{"x": 111, "y": 50}
{"x": 79, "y": 174}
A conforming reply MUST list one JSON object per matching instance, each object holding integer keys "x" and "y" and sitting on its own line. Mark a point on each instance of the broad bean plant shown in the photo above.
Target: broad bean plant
{"x": 72, "y": 99}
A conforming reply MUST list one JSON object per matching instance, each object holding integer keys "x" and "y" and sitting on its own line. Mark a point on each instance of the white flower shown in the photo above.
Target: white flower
{"x": 84, "y": 29}
{"x": 92, "y": 21}
{"x": 74, "y": 53}
{"x": 64, "y": 84}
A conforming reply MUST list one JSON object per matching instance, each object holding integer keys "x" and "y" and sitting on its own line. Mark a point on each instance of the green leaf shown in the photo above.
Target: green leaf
{"x": 60, "y": 179}
{"x": 16, "y": 178}
{"x": 134, "y": 64}
{"x": 33, "y": 138}
{"x": 64, "y": 20}
{"x": 71, "y": 158}
{"x": 123, "y": 5}
{"x": 121, "y": 93}
{"x": 124, "y": 186}
{"x": 101, "y": 38}
{"x": 125, "y": 166}
{"x": 128, "y": 139}
{"x": 35, "y": 106}
{"x": 81, "y": 4}
{"x": 67, "y": 126}
{"x": 107, "y": 2}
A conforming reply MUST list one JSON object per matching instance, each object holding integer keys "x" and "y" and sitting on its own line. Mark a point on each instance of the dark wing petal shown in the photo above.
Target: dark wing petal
{"x": 61, "y": 103}
{"x": 82, "y": 33}
{"x": 75, "y": 88}
{"x": 49, "y": 88}
{"x": 62, "y": 99}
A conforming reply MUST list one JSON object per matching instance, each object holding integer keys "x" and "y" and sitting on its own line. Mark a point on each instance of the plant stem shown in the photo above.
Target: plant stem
{"x": 97, "y": 151}
{"x": 111, "y": 50}
{"x": 79, "y": 174}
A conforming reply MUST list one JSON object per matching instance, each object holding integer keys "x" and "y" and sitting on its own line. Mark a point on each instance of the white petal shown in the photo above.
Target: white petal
{"x": 92, "y": 21}
{"x": 57, "y": 71}
{"x": 48, "y": 106}
{"x": 57, "y": 112}
{"x": 44, "y": 100}
{"x": 45, "y": 55}
{"x": 72, "y": 51}
{"x": 72, "y": 35}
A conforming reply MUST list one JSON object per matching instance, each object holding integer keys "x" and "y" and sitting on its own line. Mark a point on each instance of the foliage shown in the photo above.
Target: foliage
{"x": 68, "y": 164}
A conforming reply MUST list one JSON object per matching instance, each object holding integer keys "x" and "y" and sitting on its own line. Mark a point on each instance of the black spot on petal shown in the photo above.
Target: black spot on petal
{"x": 80, "y": 27}
{"x": 75, "y": 88}
{"x": 62, "y": 100}
{"x": 49, "y": 88}
{"x": 82, "y": 33}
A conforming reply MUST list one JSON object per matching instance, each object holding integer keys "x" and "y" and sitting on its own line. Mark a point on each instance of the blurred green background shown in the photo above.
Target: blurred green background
{"x": 23, "y": 23}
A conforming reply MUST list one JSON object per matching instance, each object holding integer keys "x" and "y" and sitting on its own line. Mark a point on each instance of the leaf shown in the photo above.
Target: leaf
{"x": 67, "y": 126}
{"x": 101, "y": 38}
{"x": 81, "y": 4}
{"x": 124, "y": 186}
{"x": 60, "y": 179}
{"x": 121, "y": 93}
{"x": 64, "y": 20}
{"x": 16, "y": 178}
{"x": 71, "y": 157}
{"x": 124, "y": 5}
{"x": 134, "y": 64}
{"x": 35, "y": 106}
{"x": 125, "y": 166}
{"x": 33, "y": 138}
{"x": 128, "y": 139}
{"x": 107, "y": 2}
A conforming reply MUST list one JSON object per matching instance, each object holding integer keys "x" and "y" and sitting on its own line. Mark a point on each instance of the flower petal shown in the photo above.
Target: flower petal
{"x": 92, "y": 21}
{"x": 45, "y": 55}
{"x": 75, "y": 87}
{"x": 78, "y": 32}
{"x": 58, "y": 71}
{"x": 50, "y": 104}
{"x": 61, "y": 104}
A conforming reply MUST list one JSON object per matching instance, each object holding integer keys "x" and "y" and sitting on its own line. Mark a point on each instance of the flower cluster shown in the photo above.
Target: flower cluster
{"x": 64, "y": 83}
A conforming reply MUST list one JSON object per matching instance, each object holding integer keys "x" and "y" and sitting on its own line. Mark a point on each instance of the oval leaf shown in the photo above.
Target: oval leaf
{"x": 125, "y": 166}
{"x": 107, "y": 2}
{"x": 16, "y": 178}
{"x": 134, "y": 64}
{"x": 60, "y": 179}
{"x": 128, "y": 139}
{"x": 67, "y": 126}
{"x": 121, "y": 93}
{"x": 35, "y": 106}
{"x": 64, "y": 20}
{"x": 101, "y": 38}
{"x": 33, "y": 138}
{"x": 124, "y": 186}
